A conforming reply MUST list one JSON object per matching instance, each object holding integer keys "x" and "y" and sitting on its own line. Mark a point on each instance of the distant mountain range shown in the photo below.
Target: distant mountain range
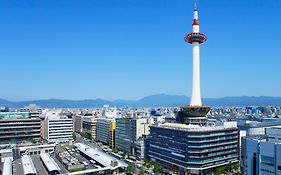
{"x": 149, "y": 101}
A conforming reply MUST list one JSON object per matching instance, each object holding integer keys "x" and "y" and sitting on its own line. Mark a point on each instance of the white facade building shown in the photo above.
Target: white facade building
{"x": 58, "y": 128}
{"x": 262, "y": 155}
{"x": 108, "y": 112}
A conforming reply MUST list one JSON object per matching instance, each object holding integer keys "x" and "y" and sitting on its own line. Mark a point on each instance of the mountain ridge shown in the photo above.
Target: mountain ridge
{"x": 156, "y": 100}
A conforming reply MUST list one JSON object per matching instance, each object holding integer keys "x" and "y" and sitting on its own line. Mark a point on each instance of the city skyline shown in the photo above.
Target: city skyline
{"x": 129, "y": 49}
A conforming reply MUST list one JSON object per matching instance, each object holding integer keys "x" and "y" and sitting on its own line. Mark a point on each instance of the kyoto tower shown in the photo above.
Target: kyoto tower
{"x": 195, "y": 113}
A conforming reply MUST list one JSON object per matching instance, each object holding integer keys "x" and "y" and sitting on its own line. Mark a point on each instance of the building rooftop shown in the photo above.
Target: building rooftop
{"x": 185, "y": 127}
{"x": 6, "y": 151}
{"x": 27, "y": 164}
{"x": 99, "y": 156}
{"x": 49, "y": 162}
{"x": 256, "y": 124}
{"x": 7, "y": 166}
{"x": 37, "y": 146}
{"x": 14, "y": 115}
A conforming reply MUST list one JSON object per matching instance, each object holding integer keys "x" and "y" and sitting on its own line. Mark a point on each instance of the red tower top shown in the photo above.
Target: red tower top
{"x": 195, "y": 35}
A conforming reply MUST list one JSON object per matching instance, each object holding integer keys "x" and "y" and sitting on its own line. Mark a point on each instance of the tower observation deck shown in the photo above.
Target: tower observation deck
{"x": 195, "y": 113}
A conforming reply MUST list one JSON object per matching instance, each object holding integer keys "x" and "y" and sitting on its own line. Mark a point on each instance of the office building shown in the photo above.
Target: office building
{"x": 129, "y": 130}
{"x": 142, "y": 147}
{"x": 193, "y": 149}
{"x": 106, "y": 131}
{"x": 58, "y": 128}
{"x": 19, "y": 130}
{"x": 89, "y": 127}
{"x": 255, "y": 128}
{"x": 262, "y": 154}
{"x": 252, "y": 128}
{"x": 77, "y": 120}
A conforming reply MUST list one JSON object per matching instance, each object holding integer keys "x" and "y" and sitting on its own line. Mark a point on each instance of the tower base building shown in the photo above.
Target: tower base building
{"x": 194, "y": 149}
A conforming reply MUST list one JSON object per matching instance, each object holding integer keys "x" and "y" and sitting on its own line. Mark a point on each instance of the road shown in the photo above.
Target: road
{"x": 40, "y": 168}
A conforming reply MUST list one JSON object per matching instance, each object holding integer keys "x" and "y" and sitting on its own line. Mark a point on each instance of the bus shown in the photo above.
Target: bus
{"x": 85, "y": 163}
{"x": 129, "y": 161}
{"x": 92, "y": 161}
{"x": 116, "y": 155}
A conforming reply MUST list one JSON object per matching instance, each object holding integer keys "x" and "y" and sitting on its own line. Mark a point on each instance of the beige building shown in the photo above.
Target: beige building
{"x": 89, "y": 126}
{"x": 77, "y": 120}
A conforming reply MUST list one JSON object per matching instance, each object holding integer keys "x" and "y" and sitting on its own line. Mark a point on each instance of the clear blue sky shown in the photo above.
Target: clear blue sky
{"x": 133, "y": 48}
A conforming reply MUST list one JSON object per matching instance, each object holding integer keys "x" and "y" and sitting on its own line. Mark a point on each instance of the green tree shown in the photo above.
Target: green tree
{"x": 33, "y": 141}
{"x": 114, "y": 150}
{"x": 82, "y": 134}
{"x": 124, "y": 155}
{"x": 131, "y": 168}
{"x": 148, "y": 164}
{"x": 157, "y": 169}
{"x": 141, "y": 171}
{"x": 219, "y": 170}
{"x": 88, "y": 136}
{"x": 74, "y": 136}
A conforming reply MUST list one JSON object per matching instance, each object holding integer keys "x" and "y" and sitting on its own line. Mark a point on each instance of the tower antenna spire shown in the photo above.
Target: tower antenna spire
{"x": 195, "y": 5}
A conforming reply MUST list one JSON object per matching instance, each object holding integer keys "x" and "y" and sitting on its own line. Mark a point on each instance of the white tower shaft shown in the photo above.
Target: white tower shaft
{"x": 196, "y": 94}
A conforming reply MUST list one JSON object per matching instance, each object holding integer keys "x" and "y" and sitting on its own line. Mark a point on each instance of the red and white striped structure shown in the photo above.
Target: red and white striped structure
{"x": 195, "y": 38}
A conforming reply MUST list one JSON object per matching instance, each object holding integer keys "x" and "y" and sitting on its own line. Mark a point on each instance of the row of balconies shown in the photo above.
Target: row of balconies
{"x": 15, "y": 127}
{"x": 18, "y": 123}
{"x": 23, "y": 135}
{"x": 19, "y": 131}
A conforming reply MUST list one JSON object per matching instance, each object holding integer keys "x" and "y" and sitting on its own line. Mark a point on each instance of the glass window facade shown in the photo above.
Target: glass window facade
{"x": 193, "y": 149}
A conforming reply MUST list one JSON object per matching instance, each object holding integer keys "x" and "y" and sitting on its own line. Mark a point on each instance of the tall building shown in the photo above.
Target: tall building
{"x": 58, "y": 128}
{"x": 77, "y": 120}
{"x": 129, "y": 130}
{"x": 262, "y": 154}
{"x": 106, "y": 131}
{"x": 89, "y": 126}
{"x": 193, "y": 146}
{"x": 19, "y": 130}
